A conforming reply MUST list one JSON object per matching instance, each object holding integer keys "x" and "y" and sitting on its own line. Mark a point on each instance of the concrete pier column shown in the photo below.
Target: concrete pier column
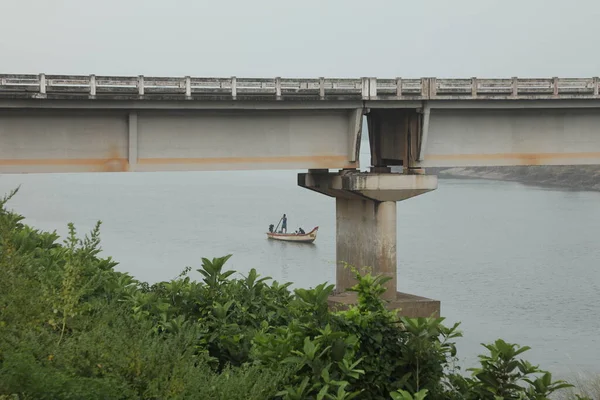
{"x": 366, "y": 229}
{"x": 366, "y": 236}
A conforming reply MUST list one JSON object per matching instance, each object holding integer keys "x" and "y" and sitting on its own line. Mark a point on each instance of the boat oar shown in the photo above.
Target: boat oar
{"x": 275, "y": 231}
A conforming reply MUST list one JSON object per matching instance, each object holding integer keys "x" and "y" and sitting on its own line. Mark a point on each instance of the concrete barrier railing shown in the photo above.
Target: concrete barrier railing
{"x": 92, "y": 86}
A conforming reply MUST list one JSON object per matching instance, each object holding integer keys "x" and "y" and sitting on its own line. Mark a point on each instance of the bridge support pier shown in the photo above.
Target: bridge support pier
{"x": 366, "y": 229}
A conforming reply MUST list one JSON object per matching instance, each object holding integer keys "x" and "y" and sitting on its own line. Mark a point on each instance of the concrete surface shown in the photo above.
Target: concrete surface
{"x": 360, "y": 185}
{"x": 79, "y": 140}
{"x": 366, "y": 226}
{"x": 365, "y": 237}
{"x": 507, "y": 137}
{"x": 43, "y": 86}
{"x": 195, "y": 123}
{"x": 408, "y": 305}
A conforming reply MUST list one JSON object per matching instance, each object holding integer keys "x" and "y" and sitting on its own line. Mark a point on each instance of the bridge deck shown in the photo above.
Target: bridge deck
{"x": 68, "y": 123}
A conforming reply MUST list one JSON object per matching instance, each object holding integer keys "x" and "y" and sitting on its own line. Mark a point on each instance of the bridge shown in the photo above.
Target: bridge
{"x": 89, "y": 123}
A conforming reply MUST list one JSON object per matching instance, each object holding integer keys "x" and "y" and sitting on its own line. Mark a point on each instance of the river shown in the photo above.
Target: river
{"x": 507, "y": 260}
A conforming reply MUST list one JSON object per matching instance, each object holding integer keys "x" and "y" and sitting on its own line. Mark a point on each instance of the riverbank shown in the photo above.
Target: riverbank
{"x": 584, "y": 177}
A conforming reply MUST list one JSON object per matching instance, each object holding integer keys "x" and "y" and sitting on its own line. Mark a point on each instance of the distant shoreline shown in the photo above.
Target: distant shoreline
{"x": 581, "y": 178}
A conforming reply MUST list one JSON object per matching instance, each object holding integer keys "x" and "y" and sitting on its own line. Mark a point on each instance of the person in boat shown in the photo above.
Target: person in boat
{"x": 284, "y": 224}
{"x": 271, "y": 228}
{"x": 301, "y": 231}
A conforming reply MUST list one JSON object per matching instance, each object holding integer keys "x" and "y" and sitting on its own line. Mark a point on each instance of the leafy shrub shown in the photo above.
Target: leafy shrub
{"x": 71, "y": 327}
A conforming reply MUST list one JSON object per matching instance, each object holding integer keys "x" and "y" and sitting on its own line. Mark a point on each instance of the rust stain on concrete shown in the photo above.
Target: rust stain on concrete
{"x": 325, "y": 161}
{"x": 52, "y": 161}
{"x": 114, "y": 162}
{"x": 521, "y": 158}
{"x": 100, "y": 162}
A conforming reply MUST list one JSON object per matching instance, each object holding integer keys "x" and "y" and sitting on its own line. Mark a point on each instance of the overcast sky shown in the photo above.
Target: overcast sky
{"x": 308, "y": 38}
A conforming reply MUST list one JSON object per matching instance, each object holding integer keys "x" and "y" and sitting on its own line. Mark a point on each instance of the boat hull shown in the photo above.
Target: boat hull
{"x": 308, "y": 237}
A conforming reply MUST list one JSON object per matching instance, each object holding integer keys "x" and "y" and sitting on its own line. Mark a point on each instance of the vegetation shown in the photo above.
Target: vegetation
{"x": 72, "y": 327}
{"x": 586, "y": 384}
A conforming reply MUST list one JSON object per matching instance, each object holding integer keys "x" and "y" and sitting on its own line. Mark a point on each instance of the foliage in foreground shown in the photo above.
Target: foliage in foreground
{"x": 71, "y": 327}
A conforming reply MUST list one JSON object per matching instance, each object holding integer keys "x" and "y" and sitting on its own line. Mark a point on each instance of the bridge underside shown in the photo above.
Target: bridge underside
{"x": 434, "y": 136}
{"x": 68, "y": 140}
{"x": 110, "y": 137}
{"x": 497, "y": 137}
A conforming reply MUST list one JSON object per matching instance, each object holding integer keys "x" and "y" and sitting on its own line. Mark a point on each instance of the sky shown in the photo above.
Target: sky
{"x": 308, "y": 38}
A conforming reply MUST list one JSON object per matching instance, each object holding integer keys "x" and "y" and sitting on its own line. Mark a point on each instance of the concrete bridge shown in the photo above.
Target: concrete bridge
{"x": 60, "y": 123}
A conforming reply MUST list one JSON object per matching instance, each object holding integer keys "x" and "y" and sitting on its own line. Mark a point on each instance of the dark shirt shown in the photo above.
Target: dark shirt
{"x": 284, "y": 223}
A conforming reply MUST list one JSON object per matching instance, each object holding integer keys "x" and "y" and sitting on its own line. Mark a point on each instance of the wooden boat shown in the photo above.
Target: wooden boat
{"x": 295, "y": 237}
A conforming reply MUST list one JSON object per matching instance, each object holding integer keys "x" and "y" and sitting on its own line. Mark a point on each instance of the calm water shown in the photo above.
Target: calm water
{"x": 507, "y": 260}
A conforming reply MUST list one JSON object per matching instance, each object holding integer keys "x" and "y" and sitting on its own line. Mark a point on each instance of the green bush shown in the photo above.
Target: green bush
{"x": 71, "y": 327}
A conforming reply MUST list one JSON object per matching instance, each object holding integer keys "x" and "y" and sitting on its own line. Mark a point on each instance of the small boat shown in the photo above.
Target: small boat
{"x": 295, "y": 237}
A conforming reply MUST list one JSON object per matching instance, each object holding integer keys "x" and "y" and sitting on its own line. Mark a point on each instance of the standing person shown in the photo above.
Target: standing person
{"x": 284, "y": 224}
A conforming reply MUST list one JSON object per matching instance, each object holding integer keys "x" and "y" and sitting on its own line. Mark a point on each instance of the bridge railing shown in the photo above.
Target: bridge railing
{"x": 366, "y": 88}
